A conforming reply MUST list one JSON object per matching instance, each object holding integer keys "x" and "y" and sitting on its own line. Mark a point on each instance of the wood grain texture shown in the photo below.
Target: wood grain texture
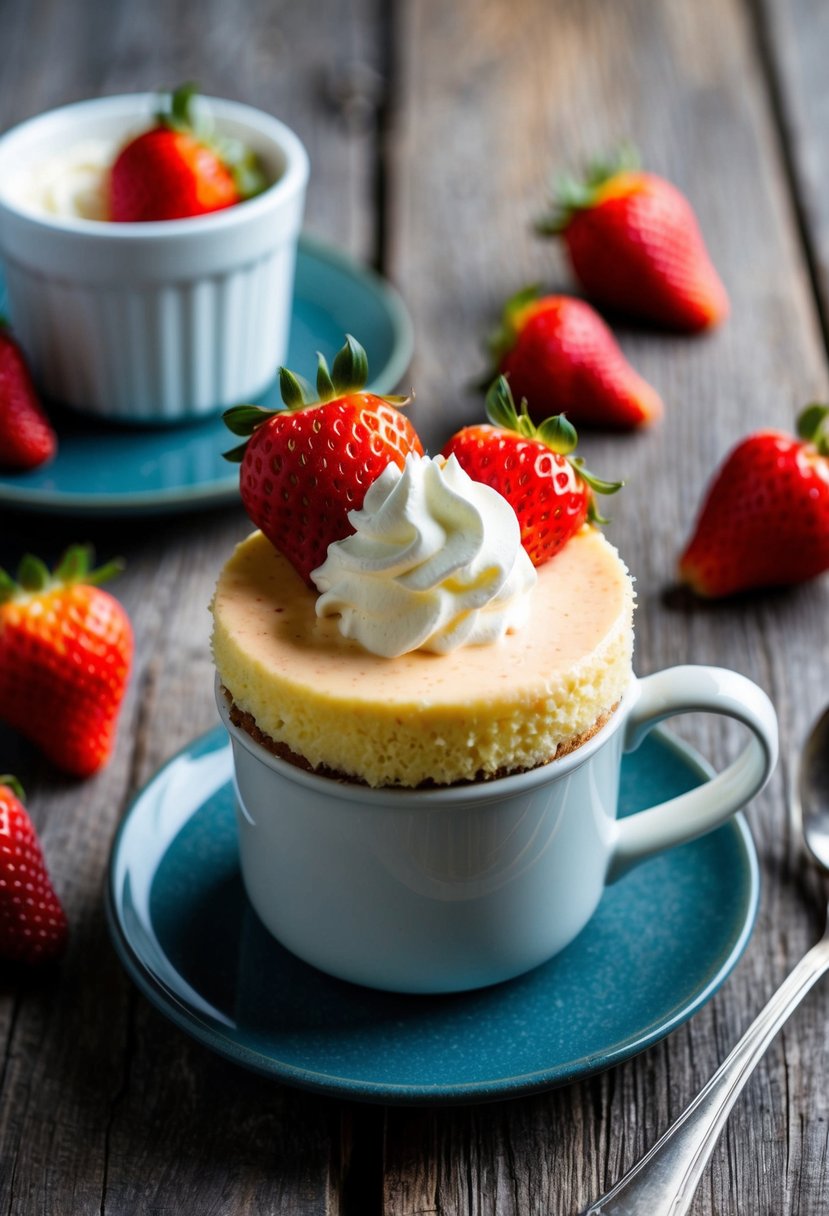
{"x": 792, "y": 38}
{"x": 449, "y": 118}
{"x": 494, "y": 98}
{"x": 104, "y": 1106}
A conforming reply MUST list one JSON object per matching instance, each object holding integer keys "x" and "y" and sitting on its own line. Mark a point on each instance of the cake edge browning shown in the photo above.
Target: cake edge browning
{"x": 246, "y": 722}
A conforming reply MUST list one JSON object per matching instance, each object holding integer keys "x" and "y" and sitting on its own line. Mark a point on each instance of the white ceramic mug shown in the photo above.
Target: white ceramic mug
{"x": 446, "y": 889}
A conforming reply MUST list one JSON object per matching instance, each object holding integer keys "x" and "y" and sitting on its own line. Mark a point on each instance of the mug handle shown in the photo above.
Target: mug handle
{"x": 686, "y": 690}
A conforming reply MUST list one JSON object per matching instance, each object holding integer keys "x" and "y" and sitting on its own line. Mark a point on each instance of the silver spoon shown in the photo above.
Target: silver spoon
{"x": 664, "y": 1181}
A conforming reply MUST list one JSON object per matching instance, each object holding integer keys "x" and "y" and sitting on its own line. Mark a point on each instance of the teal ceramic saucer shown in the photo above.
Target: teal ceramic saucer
{"x": 110, "y": 470}
{"x": 662, "y": 941}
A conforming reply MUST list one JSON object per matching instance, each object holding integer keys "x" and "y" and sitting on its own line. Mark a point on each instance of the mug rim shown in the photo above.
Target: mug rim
{"x": 445, "y": 795}
{"x": 291, "y": 180}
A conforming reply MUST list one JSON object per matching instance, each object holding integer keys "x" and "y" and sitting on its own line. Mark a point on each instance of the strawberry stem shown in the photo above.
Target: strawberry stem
{"x": 502, "y": 340}
{"x": 180, "y": 114}
{"x": 177, "y": 112}
{"x": 556, "y": 433}
{"x": 74, "y": 566}
{"x": 348, "y": 374}
{"x": 571, "y": 194}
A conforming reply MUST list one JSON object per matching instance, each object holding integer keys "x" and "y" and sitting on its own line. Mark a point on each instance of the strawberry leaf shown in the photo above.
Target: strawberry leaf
{"x": 176, "y": 108}
{"x": 502, "y": 339}
{"x": 8, "y": 587}
{"x": 571, "y": 194}
{"x": 75, "y": 564}
{"x": 500, "y": 406}
{"x": 104, "y": 573}
{"x": 559, "y": 434}
{"x": 325, "y": 385}
{"x": 32, "y": 573}
{"x": 556, "y": 433}
{"x": 296, "y": 391}
{"x": 244, "y": 165}
{"x": 349, "y": 371}
{"x": 597, "y": 484}
{"x": 11, "y": 783}
{"x": 244, "y": 419}
{"x": 625, "y": 159}
{"x": 813, "y": 426}
{"x": 236, "y": 455}
{"x": 594, "y": 515}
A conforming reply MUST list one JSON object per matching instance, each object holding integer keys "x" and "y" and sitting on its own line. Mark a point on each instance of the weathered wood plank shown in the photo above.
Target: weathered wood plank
{"x": 793, "y": 36}
{"x": 492, "y": 101}
{"x": 104, "y": 1106}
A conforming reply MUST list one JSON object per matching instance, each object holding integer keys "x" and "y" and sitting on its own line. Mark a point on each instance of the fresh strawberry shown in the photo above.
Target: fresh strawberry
{"x": 765, "y": 518}
{"x": 26, "y": 435}
{"x": 560, "y": 355}
{"x": 306, "y": 466}
{"x": 636, "y": 247}
{"x": 65, "y": 655}
{"x": 32, "y": 922}
{"x": 180, "y": 167}
{"x": 550, "y": 491}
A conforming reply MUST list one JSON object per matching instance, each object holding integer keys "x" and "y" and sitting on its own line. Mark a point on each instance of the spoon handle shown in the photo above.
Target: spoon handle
{"x": 663, "y": 1182}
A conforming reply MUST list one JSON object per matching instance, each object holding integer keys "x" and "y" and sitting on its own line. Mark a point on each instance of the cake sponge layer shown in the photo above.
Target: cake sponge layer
{"x": 468, "y": 715}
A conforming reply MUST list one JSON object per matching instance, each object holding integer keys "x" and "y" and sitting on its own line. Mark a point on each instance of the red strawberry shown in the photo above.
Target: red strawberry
{"x": 32, "y": 922}
{"x": 550, "y": 491}
{"x": 26, "y": 435}
{"x": 65, "y": 654}
{"x": 635, "y": 246}
{"x": 306, "y": 466}
{"x": 765, "y": 519}
{"x": 180, "y": 168}
{"x": 560, "y": 355}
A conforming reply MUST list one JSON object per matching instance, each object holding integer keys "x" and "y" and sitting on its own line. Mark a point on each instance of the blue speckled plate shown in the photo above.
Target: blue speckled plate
{"x": 662, "y": 941}
{"x": 115, "y": 471}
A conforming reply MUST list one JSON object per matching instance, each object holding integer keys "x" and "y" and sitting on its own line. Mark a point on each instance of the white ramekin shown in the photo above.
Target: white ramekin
{"x": 152, "y": 322}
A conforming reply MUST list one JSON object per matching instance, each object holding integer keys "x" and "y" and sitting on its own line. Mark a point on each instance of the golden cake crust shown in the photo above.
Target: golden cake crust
{"x": 247, "y": 723}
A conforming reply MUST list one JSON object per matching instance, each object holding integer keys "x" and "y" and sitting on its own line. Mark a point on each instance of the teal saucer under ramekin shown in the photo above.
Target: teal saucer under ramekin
{"x": 105, "y": 469}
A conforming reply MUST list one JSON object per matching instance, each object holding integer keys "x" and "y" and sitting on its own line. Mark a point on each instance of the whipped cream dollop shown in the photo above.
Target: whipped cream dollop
{"x": 435, "y": 562}
{"x": 69, "y": 185}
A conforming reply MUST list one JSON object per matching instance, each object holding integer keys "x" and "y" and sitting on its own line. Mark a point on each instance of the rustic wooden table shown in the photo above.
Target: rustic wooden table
{"x": 432, "y": 130}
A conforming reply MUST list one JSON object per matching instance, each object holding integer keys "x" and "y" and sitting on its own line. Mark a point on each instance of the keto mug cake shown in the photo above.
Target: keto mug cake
{"x": 425, "y": 666}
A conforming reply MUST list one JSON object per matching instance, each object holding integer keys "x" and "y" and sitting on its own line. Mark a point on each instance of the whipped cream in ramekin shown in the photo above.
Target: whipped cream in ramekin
{"x": 435, "y": 562}
{"x": 69, "y": 185}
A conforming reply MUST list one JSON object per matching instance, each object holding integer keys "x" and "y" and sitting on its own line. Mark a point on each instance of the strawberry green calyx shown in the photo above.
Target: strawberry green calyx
{"x": 176, "y": 109}
{"x": 347, "y": 374}
{"x": 75, "y": 566}
{"x": 571, "y": 194}
{"x": 502, "y": 340}
{"x": 11, "y": 783}
{"x": 178, "y": 113}
{"x": 556, "y": 433}
{"x": 813, "y": 426}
